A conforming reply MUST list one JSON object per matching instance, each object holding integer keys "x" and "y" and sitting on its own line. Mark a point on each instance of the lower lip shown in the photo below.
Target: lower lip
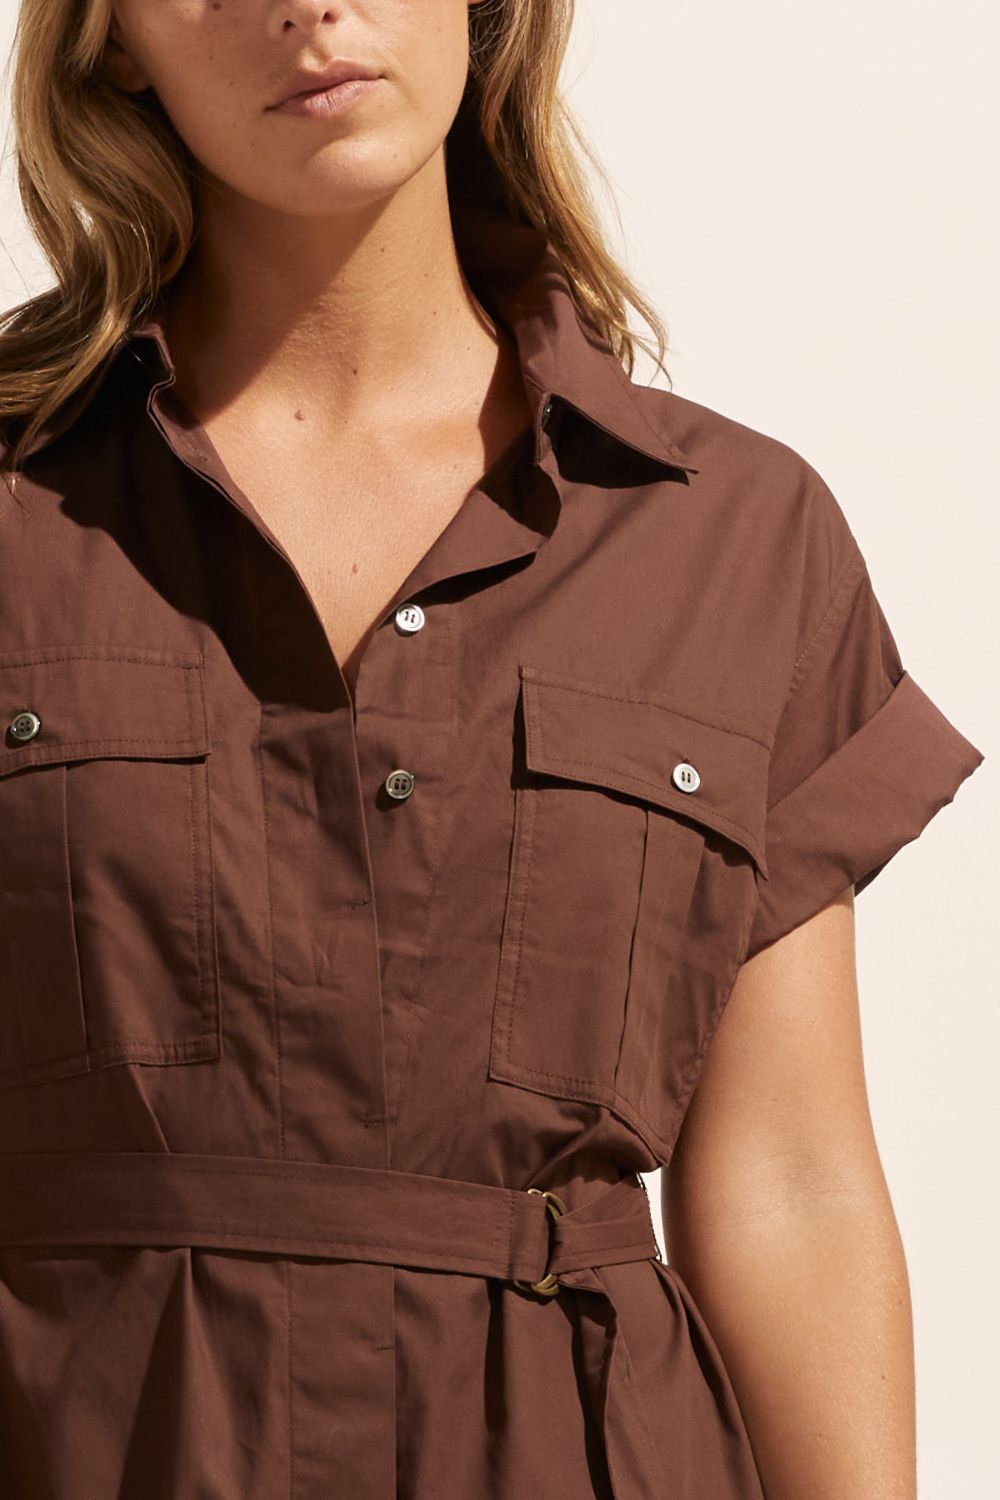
{"x": 324, "y": 102}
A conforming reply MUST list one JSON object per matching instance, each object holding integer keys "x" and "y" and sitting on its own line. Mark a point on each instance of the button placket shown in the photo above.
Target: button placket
{"x": 409, "y": 618}
{"x": 407, "y": 708}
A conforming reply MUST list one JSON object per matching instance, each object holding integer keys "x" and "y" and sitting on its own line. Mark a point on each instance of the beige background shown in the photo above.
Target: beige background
{"x": 808, "y": 194}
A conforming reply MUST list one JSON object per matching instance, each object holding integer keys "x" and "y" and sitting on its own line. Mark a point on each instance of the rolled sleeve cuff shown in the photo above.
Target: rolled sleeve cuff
{"x": 842, "y": 825}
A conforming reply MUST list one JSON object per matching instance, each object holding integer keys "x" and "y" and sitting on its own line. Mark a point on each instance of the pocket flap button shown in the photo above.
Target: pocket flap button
{"x": 25, "y": 725}
{"x": 684, "y": 777}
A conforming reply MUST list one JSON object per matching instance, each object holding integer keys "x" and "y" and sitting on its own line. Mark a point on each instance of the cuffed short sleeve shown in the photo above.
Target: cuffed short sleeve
{"x": 862, "y": 760}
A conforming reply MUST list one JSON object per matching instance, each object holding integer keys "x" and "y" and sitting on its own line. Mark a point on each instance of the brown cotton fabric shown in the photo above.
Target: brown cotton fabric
{"x": 283, "y": 1056}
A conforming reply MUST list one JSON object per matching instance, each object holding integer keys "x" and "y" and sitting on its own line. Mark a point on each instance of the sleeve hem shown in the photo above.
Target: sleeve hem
{"x": 842, "y": 825}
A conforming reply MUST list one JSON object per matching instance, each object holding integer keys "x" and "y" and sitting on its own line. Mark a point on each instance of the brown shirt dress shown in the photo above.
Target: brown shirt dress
{"x": 303, "y": 1009}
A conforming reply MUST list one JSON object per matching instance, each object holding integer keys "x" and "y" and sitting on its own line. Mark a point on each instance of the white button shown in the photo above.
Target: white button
{"x": 25, "y": 725}
{"x": 409, "y": 617}
{"x": 399, "y": 784}
{"x": 684, "y": 777}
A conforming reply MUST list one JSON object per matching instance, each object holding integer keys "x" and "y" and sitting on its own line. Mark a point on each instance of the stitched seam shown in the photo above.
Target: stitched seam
{"x": 280, "y": 1167}
{"x": 508, "y": 1228}
{"x": 286, "y": 1239}
{"x": 697, "y": 811}
{"x": 692, "y": 1072}
{"x": 184, "y": 739}
{"x": 138, "y": 659}
{"x": 528, "y": 856}
{"x": 541, "y": 678}
{"x": 855, "y": 566}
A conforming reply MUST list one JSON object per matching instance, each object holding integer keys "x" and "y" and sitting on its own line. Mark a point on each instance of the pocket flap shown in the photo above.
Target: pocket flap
{"x": 102, "y": 701}
{"x": 630, "y": 742}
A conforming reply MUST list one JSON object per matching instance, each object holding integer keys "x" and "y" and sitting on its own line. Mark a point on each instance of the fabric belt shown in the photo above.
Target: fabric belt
{"x": 318, "y": 1209}
{"x": 340, "y": 1212}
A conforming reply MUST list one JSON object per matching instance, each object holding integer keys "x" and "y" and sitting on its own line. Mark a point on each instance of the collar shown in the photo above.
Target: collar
{"x": 520, "y": 279}
{"x": 518, "y": 276}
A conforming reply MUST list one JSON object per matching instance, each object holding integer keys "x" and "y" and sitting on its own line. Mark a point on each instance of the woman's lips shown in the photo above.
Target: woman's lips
{"x": 320, "y": 103}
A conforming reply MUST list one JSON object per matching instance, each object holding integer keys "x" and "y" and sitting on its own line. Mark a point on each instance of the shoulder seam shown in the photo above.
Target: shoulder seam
{"x": 855, "y": 569}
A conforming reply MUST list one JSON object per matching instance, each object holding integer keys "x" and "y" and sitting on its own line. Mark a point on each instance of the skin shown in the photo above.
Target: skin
{"x": 322, "y": 329}
{"x": 777, "y": 1215}
{"x": 366, "y": 339}
{"x": 328, "y": 230}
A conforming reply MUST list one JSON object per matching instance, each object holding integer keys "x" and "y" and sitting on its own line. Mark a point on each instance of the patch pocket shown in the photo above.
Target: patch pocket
{"x": 107, "y": 927}
{"x": 606, "y": 855}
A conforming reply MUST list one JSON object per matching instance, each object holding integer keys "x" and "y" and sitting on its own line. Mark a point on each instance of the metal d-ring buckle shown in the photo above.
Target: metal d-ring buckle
{"x": 549, "y": 1284}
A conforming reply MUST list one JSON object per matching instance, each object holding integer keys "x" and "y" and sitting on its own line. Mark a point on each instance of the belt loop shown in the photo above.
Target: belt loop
{"x": 549, "y": 1284}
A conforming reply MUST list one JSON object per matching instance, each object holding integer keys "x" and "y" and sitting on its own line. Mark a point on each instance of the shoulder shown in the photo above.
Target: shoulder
{"x": 791, "y": 525}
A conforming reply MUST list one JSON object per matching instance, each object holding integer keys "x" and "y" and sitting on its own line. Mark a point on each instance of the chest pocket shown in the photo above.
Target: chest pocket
{"x": 627, "y": 895}
{"x": 107, "y": 932}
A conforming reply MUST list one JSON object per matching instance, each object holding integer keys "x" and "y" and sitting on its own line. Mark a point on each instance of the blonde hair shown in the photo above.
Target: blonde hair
{"x": 110, "y": 191}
